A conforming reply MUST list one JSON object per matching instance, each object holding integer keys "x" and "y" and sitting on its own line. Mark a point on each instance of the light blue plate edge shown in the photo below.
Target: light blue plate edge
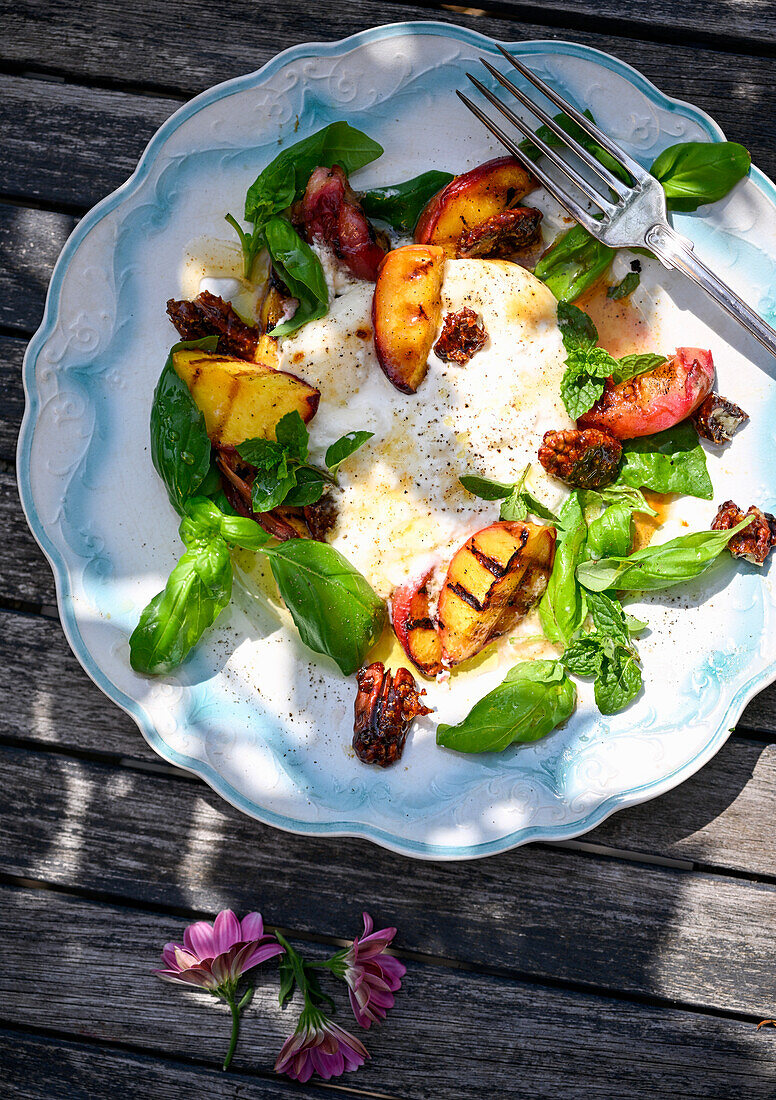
{"x": 361, "y": 830}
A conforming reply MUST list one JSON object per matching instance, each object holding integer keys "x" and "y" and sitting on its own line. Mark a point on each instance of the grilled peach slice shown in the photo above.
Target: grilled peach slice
{"x": 241, "y": 400}
{"x": 655, "y": 400}
{"x": 492, "y": 581}
{"x": 471, "y": 199}
{"x": 414, "y": 626}
{"x": 405, "y": 312}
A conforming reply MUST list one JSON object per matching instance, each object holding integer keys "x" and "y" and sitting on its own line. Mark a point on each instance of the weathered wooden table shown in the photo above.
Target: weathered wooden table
{"x": 633, "y": 963}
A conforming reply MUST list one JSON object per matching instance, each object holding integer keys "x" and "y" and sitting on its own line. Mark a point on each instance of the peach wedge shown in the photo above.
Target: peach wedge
{"x": 471, "y": 199}
{"x": 405, "y": 312}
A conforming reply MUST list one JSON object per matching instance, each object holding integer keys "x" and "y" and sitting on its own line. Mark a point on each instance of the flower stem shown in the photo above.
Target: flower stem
{"x": 235, "y": 1030}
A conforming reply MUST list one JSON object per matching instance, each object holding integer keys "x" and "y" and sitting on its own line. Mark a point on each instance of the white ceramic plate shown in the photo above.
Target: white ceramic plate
{"x": 249, "y": 711}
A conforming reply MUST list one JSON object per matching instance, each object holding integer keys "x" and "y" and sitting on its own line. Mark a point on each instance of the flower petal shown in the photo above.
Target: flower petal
{"x": 226, "y": 931}
{"x": 168, "y": 953}
{"x": 251, "y": 927}
{"x": 259, "y": 953}
{"x": 198, "y": 939}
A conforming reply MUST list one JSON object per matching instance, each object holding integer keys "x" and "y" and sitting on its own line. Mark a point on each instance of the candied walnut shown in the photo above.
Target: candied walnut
{"x": 586, "y": 459}
{"x": 756, "y": 541}
{"x": 386, "y": 705}
{"x": 461, "y": 337}
{"x": 718, "y": 420}
{"x": 321, "y": 516}
{"x": 501, "y": 235}
{"x": 209, "y": 315}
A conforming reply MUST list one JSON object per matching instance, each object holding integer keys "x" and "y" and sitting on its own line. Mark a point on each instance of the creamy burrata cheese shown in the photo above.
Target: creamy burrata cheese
{"x": 402, "y": 507}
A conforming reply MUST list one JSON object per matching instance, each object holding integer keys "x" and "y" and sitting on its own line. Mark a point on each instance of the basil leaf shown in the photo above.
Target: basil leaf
{"x": 625, "y": 287}
{"x": 672, "y": 461}
{"x": 632, "y": 365}
{"x": 534, "y": 698}
{"x": 285, "y": 178}
{"x": 291, "y": 433}
{"x": 206, "y": 520}
{"x": 574, "y": 130}
{"x": 611, "y": 534}
{"x": 694, "y": 173}
{"x": 344, "y": 447}
{"x": 198, "y": 589}
{"x": 308, "y": 488}
{"x": 576, "y": 328}
{"x": 658, "y": 567}
{"x": 334, "y": 608}
{"x": 180, "y": 448}
{"x": 584, "y": 379}
{"x": 401, "y": 205}
{"x": 574, "y": 262}
{"x": 618, "y": 681}
{"x": 563, "y": 607}
{"x": 485, "y": 488}
{"x": 619, "y": 493}
{"x": 301, "y": 271}
{"x": 532, "y": 505}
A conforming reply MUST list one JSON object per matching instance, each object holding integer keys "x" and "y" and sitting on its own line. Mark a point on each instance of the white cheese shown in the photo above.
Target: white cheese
{"x": 402, "y": 507}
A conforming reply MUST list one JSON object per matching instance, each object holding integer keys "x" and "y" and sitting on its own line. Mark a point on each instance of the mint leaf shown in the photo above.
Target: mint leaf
{"x": 344, "y": 447}
{"x": 584, "y": 379}
{"x": 576, "y": 328}
{"x": 291, "y": 433}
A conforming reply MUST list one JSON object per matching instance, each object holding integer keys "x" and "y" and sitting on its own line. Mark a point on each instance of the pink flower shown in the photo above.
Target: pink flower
{"x": 372, "y": 976}
{"x": 214, "y": 956}
{"x": 319, "y": 1046}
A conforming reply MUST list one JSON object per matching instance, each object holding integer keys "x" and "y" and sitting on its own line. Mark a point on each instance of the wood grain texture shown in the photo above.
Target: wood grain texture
{"x": 451, "y": 1033}
{"x": 700, "y": 939}
{"x": 24, "y": 572}
{"x": 95, "y": 136}
{"x": 38, "y": 1068}
{"x": 12, "y": 405}
{"x": 722, "y": 817}
{"x": 30, "y": 242}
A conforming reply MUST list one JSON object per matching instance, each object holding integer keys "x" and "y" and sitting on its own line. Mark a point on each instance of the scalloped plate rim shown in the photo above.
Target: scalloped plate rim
{"x": 60, "y": 567}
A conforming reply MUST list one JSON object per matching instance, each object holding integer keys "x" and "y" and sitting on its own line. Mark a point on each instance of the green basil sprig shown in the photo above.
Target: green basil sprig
{"x": 588, "y": 366}
{"x": 658, "y": 567}
{"x": 534, "y": 698}
{"x": 301, "y": 271}
{"x": 333, "y": 607}
{"x": 198, "y": 589}
{"x": 607, "y": 655}
{"x": 180, "y": 448}
{"x": 694, "y": 173}
{"x": 609, "y": 516}
{"x": 672, "y": 461}
{"x": 574, "y": 262}
{"x": 562, "y": 608}
{"x": 284, "y": 179}
{"x": 283, "y": 474}
{"x": 401, "y": 204}
{"x": 518, "y": 501}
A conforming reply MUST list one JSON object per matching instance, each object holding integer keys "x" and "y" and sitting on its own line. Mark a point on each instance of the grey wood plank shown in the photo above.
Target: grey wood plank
{"x": 12, "y": 405}
{"x": 94, "y": 136}
{"x": 36, "y": 1067}
{"x": 25, "y": 574}
{"x": 451, "y": 1034}
{"x": 722, "y": 817}
{"x": 700, "y": 939}
{"x": 30, "y": 242}
{"x": 49, "y": 699}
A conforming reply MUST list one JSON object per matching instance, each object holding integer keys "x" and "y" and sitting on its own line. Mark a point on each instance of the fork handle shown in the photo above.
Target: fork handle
{"x": 676, "y": 251}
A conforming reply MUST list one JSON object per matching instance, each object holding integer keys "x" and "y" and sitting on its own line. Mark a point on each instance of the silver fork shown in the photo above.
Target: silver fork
{"x": 636, "y": 217}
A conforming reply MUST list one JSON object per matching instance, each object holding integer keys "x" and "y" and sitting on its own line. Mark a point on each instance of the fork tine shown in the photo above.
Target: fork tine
{"x": 617, "y": 185}
{"x": 577, "y": 212}
{"x": 552, "y": 155}
{"x": 589, "y": 127}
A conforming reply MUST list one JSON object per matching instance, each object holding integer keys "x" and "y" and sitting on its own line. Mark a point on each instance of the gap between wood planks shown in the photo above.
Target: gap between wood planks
{"x": 506, "y": 973}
